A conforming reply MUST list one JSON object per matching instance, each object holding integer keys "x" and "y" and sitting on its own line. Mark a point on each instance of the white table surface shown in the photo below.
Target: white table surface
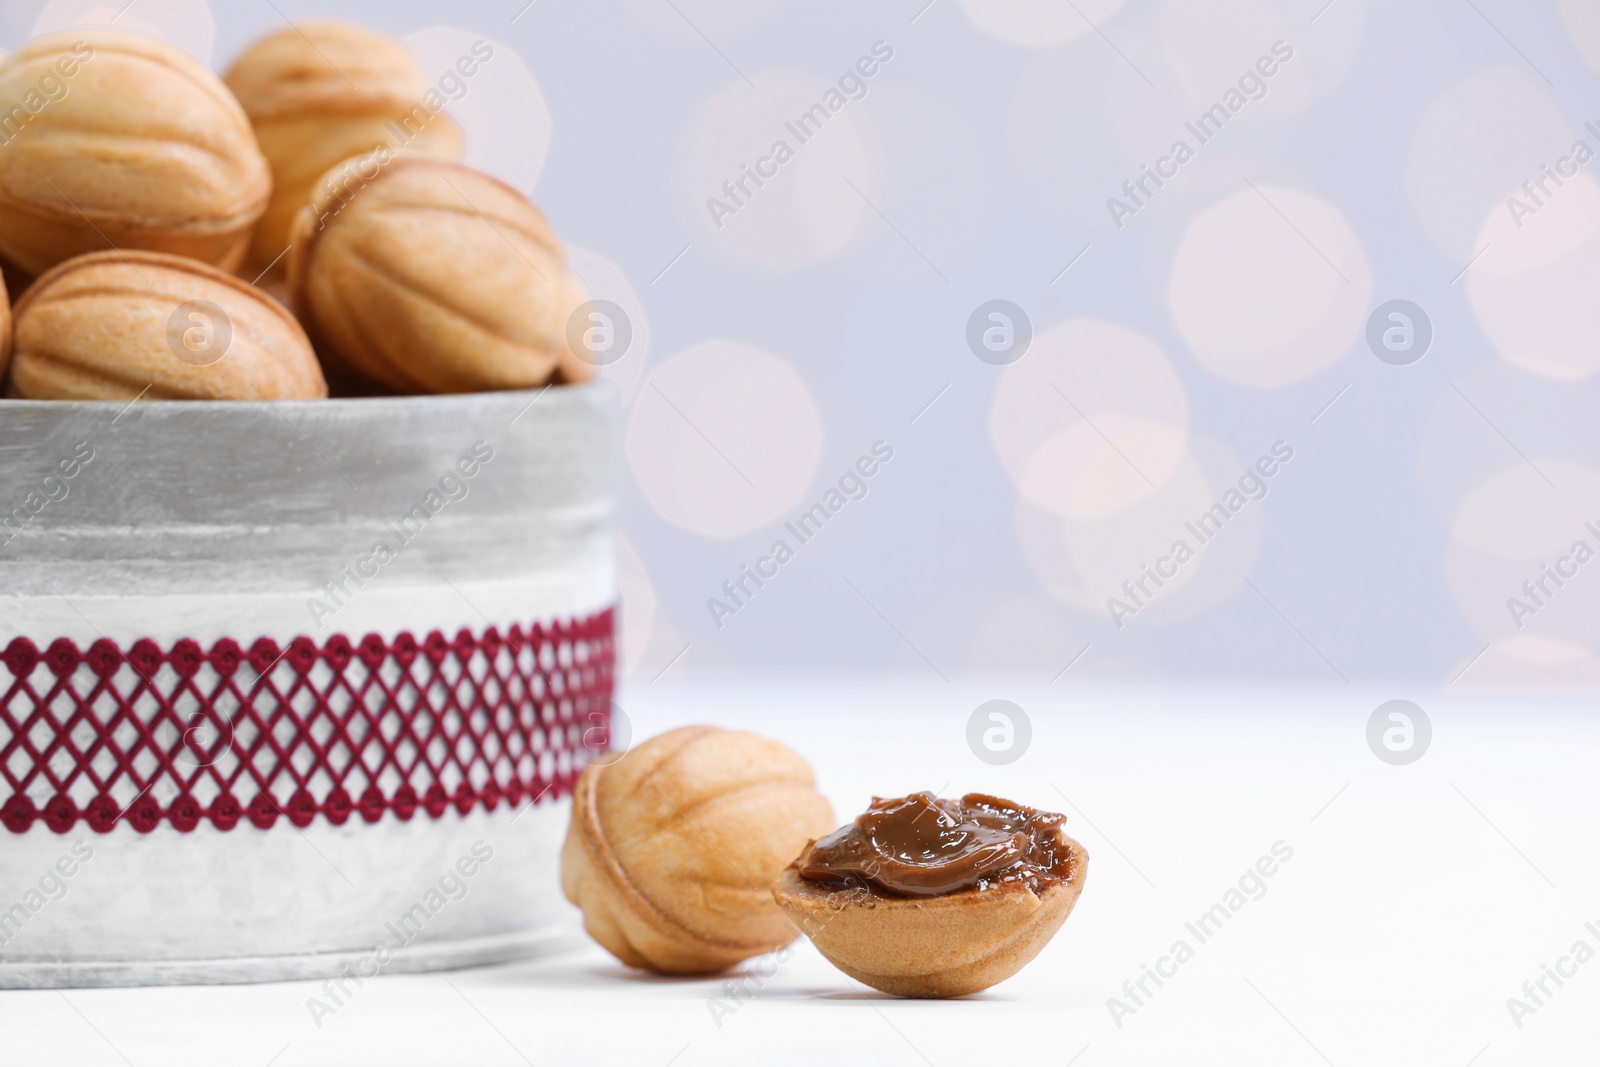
{"x": 1418, "y": 899}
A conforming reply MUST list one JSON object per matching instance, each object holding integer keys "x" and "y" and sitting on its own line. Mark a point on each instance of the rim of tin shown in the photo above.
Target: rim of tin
{"x": 251, "y": 508}
{"x": 596, "y": 389}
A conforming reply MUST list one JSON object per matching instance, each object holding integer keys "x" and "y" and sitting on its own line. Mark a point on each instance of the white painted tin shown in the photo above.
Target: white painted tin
{"x": 210, "y": 520}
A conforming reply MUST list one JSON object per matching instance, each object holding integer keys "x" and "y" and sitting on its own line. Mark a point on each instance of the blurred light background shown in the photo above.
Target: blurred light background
{"x": 1217, "y": 324}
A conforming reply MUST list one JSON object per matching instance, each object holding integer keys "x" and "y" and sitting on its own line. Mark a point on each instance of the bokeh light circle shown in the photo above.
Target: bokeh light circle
{"x": 1513, "y": 531}
{"x": 1534, "y": 290}
{"x": 781, "y": 174}
{"x": 1089, "y": 562}
{"x": 1269, "y": 286}
{"x": 1476, "y": 142}
{"x": 1461, "y": 447}
{"x": 603, "y": 279}
{"x": 501, "y": 111}
{"x": 724, "y": 438}
{"x": 1038, "y": 23}
{"x": 1091, "y": 422}
{"x": 185, "y": 24}
{"x": 1582, "y": 21}
{"x": 1529, "y": 663}
{"x": 1212, "y": 46}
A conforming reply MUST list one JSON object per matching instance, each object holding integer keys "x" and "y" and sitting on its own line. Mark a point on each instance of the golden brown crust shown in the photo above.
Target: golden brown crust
{"x": 328, "y": 66}
{"x": 946, "y": 946}
{"x": 6, "y": 321}
{"x": 144, "y": 149}
{"x": 672, "y": 851}
{"x": 97, "y": 328}
{"x": 427, "y": 276}
{"x": 320, "y": 92}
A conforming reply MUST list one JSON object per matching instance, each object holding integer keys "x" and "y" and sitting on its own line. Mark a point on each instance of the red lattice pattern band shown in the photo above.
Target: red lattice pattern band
{"x": 341, "y": 729}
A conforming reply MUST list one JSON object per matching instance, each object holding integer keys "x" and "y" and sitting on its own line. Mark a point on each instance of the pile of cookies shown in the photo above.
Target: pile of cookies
{"x": 706, "y": 847}
{"x": 301, "y": 224}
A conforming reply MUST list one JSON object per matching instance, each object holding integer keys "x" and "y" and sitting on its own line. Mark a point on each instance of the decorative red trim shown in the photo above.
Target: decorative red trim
{"x": 227, "y": 735}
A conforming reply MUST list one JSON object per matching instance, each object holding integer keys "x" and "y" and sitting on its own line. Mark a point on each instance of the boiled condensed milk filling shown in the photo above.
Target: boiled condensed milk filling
{"x": 920, "y": 845}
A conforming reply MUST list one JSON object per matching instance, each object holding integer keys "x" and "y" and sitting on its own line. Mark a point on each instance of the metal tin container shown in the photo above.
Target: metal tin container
{"x": 296, "y": 689}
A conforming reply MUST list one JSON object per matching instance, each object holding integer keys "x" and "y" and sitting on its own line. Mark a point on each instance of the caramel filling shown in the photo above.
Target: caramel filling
{"x": 922, "y": 846}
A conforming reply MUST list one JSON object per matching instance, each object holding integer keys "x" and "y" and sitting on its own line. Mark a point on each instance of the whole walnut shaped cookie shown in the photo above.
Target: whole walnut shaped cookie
{"x": 118, "y": 141}
{"x": 118, "y": 325}
{"x": 673, "y": 850}
{"x": 429, "y": 277}
{"x": 324, "y": 90}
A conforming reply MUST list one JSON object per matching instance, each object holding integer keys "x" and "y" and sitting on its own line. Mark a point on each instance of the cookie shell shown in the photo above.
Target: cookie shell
{"x": 109, "y": 326}
{"x": 141, "y": 147}
{"x": 672, "y": 851}
{"x": 319, "y": 92}
{"x": 430, "y": 277}
{"x": 946, "y": 946}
